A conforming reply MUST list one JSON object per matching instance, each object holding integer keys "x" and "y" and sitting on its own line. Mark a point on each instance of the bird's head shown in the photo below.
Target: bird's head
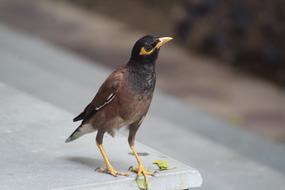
{"x": 146, "y": 49}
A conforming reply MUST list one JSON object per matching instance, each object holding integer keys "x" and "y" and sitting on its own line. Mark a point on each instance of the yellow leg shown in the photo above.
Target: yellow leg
{"x": 109, "y": 168}
{"x": 141, "y": 170}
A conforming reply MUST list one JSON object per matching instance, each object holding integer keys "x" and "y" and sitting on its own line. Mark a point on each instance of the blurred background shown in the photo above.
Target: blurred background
{"x": 227, "y": 59}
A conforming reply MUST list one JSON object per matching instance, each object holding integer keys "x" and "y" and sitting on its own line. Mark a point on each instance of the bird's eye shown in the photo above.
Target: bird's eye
{"x": 146, "y": 50}
{"x": 148, "y": 47}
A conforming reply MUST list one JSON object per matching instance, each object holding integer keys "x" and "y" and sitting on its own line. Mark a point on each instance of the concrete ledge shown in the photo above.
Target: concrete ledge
{"x": 228, "y": 157}
{"x": 34, "y": 155}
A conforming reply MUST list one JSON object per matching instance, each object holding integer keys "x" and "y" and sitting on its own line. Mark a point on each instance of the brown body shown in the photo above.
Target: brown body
{"x": 126, "y": 108}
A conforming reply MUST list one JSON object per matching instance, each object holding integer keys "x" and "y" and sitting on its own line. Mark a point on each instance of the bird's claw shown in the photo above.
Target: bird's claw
{"x": 141, "y": 171}
{"x": 112, "y": 172}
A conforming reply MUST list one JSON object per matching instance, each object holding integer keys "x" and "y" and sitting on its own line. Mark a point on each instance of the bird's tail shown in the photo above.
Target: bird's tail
{"x": 79, "y": 117}
{"x": 81, "y": 130}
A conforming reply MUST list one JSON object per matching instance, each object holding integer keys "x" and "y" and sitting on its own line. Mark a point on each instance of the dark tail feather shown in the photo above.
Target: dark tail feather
{"x": 81, "y": 130}
{"x": 79, "y": 117}
{"x": 76, "y": 134}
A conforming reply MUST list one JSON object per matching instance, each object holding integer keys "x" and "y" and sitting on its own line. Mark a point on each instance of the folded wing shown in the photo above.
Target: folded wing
{"x": 105, "y": 95}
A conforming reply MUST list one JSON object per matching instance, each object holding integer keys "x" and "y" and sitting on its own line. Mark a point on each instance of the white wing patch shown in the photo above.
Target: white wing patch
{"x": 109, "y": 99}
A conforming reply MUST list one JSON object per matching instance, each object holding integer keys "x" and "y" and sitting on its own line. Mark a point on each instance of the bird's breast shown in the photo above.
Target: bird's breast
{"x": 134, "y": 104}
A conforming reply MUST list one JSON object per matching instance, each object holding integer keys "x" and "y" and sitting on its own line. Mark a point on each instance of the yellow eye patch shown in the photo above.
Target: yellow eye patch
{"x": 145, "y": 52}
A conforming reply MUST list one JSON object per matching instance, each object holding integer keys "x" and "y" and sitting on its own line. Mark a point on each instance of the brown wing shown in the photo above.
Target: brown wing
{"x": 106, "y": 93}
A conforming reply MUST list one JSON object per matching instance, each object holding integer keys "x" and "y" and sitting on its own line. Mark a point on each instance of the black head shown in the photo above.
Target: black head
{"x": 146, "y": 49}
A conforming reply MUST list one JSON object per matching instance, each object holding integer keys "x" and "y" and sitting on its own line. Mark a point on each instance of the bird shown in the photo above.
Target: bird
{"x": 123, "y": 100}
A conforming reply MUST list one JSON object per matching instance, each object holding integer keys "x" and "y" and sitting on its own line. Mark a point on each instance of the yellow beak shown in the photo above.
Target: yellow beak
{"x": 163, "y": 41}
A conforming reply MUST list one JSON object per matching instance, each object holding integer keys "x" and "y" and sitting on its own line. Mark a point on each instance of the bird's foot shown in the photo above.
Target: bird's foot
{"x": 112, "y": 172}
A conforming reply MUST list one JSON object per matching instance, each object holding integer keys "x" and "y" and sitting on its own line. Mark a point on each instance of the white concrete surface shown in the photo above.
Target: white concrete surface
{"x": 34, "y": 155}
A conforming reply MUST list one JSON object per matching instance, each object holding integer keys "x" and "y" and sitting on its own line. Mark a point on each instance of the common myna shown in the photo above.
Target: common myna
{"x": 123, "y": 100}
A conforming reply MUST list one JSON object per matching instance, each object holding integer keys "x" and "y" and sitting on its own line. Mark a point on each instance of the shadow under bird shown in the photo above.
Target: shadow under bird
{"x": 123, "y": 100}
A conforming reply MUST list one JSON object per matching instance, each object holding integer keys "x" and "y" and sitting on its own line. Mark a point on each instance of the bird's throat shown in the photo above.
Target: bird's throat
{"x": 142, "y": 77}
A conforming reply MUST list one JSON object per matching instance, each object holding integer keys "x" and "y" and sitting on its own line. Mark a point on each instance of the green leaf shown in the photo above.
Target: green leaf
{"x": 132, "y": 168}
{"x": 162, "y": 164}
{"x": 141, "y": 183}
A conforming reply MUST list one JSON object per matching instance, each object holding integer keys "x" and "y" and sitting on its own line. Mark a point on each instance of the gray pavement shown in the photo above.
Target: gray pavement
{"x": 227, "y": 157}
{"x": 34, "y": 155}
